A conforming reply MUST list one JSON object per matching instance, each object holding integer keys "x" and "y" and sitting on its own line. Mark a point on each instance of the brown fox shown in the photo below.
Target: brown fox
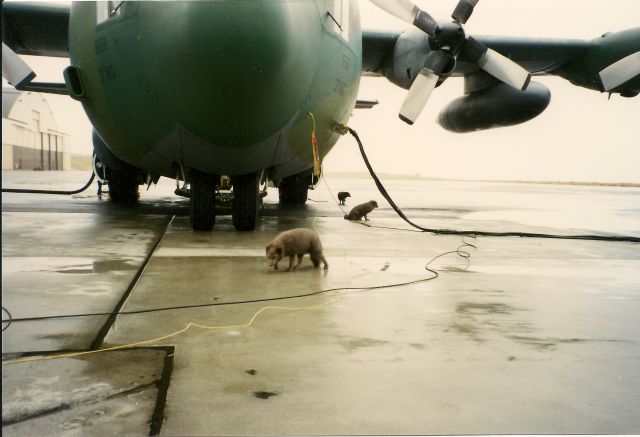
{"x": 361, "y": 210}
{"x": 295, "y": 242}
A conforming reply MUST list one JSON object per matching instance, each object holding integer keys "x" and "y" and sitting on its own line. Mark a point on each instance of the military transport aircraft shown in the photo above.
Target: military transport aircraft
{"x": 259, "y": 91}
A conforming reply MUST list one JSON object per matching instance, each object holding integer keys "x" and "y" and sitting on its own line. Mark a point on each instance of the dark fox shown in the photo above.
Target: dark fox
{"x": 361, "y": 210}
{"x": 295, "y": 242}
{"x": 342, "y": 195}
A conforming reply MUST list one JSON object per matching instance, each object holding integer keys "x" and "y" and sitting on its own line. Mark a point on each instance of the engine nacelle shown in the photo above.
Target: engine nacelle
{"x": 498, "y": 105}
{"x": 409, "y": 53}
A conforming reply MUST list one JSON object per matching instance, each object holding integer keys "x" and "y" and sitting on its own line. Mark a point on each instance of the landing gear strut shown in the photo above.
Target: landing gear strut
{"x": 203, "y": 197}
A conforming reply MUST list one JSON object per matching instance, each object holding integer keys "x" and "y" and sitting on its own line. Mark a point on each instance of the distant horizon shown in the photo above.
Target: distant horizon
{"x": 402, "y": 176}
{"x": 362, "y": 175}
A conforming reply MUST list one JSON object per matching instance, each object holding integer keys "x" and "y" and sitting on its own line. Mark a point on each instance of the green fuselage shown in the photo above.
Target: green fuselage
{"x": 225, "y": 87}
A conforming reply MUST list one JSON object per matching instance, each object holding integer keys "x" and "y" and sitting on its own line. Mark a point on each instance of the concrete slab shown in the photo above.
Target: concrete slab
{"x": 103, "y": 394}
{"x": 535, "y": 336}
{"x": 69, "y": 263}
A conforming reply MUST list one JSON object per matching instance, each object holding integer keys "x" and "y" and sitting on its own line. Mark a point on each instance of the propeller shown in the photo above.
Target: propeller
{"x": 463, "y": 10}
{"x": 14, "y": 69}
{"x": 447, "y": 41}
{"x": 620, "y": 71}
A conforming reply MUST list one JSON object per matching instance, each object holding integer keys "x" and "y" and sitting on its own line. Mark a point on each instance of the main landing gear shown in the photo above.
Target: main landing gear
{"x": 123, "y": 179}
{"x": 123, "y": 183}
{"x": 244, "y": 206}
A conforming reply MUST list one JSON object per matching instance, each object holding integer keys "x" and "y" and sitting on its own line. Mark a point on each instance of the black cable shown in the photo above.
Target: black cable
{"x": 28, "y": 191}
{"x": 386, "y": 195}
{"x": 204, "y": 305}
{"x": 459, "y": 251}
{"x": 7, "y": 321}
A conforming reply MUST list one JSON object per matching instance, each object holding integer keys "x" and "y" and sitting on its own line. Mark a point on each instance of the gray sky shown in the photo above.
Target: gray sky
{"x": 581, "y": 136}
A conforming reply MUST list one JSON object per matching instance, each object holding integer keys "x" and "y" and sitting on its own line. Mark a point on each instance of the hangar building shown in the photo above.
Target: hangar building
{"x": 30, "y": 136}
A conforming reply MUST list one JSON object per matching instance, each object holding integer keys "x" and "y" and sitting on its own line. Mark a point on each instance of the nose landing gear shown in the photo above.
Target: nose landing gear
{"x": 246, "y": 197}
{"x": 245, "y": 200}
{"x": 203, "y": 199}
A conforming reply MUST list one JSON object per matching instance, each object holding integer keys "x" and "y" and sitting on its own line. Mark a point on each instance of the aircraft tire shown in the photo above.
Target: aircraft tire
{"x": 293, "y": 190}
{"x": 246, "y": 199}
{"x": 202, "y": 214}
{"x": 123, "y": 187}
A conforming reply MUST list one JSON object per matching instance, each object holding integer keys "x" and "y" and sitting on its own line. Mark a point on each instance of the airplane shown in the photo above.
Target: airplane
{"x": 244, "y": 93}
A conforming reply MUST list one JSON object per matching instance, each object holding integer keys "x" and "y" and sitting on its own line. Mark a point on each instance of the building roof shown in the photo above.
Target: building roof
{"x": 9, "y": 98}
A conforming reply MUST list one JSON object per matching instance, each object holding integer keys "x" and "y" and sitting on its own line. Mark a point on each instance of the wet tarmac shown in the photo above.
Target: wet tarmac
{"x": 529, "y": 336}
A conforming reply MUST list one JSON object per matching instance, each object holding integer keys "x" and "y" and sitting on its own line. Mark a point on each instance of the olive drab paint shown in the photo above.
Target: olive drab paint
{"x": 224, "y": 87}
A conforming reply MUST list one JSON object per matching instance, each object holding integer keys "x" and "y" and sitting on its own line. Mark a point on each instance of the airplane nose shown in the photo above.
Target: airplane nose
{"x": 237, "y": 71}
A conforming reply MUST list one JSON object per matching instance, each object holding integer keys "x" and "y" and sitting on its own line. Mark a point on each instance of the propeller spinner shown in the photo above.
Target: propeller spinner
{"x": 447, "y": 42}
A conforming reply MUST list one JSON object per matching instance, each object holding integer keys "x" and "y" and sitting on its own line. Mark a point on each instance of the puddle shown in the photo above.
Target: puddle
{"x": 355, "y": 343}
{"x": 477, "y": 320}
{"x": 466, "y": 329}
{"x": 105, "y": 266}
{"x": 113, "y": 265}
{"x": 456, "y": 270}
{"x": 474, "y": 308}
{"x": 91, "y": 289}
{"x": 75, "y": 271}
{"x": 544, "y": 343}
{"x": 265, "y": 394}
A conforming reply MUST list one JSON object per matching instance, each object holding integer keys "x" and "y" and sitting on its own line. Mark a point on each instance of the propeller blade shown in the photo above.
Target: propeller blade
{"x": 408, "y": 12}
{"x": 403, "y": 9}
{"x": 495, "y": 64}
{"x": 620, "y": 71}
{"x": 463, "y": 10}
{"x": 504, "y": 69}
{"x": 14, "y": 69}
{"x": 418, "y": 95}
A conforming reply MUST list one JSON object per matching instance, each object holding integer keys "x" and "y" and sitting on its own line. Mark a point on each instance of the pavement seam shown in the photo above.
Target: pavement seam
{"x": 114, "y": 314}
{"x": 56, "y": 409}
{"x": 157, "y": 418}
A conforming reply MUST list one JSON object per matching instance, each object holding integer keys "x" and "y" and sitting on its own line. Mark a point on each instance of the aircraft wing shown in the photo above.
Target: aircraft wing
{"x": 377, "y": 51}
{"x": 536, "y": 55}
{"x": 579, "y": 61}
{"x": 610, "y": 63}
{"x": 36, "y": 28}
{"x": 40, "y": 29}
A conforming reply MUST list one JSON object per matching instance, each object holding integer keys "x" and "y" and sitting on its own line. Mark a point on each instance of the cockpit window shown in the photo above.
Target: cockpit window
{"x": 339, "y": 13}
{"x": 107, "y": 9}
